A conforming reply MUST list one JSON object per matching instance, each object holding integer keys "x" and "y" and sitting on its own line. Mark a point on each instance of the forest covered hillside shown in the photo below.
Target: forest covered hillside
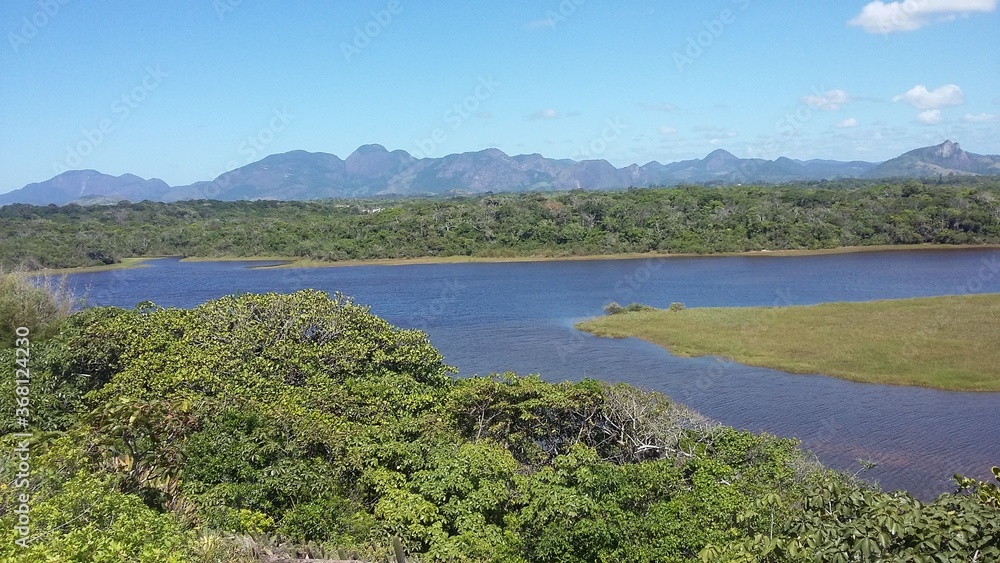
{"x": 688, "y": 219}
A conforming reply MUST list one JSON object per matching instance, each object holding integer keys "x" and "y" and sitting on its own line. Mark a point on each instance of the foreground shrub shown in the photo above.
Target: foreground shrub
{"x": 262, "y": 426}
{"x": 77, "y": 514}
{"x": 38, "y": 305}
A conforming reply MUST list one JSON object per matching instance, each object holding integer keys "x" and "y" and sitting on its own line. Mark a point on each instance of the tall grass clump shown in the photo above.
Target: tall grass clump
{"x": 38, "y": 303}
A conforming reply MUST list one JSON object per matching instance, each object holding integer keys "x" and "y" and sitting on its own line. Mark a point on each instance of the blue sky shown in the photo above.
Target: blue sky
{"x": 186, "y": 90}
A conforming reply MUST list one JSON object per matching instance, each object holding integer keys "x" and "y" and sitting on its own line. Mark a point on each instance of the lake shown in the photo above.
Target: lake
{"x": 495, "y": 317}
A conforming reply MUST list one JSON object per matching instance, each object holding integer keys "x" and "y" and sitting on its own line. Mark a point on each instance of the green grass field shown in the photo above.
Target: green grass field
{"x": 948, "y": 342}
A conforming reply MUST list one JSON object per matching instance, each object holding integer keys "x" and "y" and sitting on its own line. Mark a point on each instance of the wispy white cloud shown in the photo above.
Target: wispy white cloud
{"x": 664, "y": 130}
{"x": 849, "y": 122}
{"x": 547, "y": 113}
{"x": 921, "y": 98}
{"x": 982, "y": 118}
{"x": 714, "y": 131}
{"x": 910, "y": 15}
{"x": 930, "y": 117}
{"x": 831, "y": 100}
{"x": 715, "y": 135}
{"x": 665, "y": 107}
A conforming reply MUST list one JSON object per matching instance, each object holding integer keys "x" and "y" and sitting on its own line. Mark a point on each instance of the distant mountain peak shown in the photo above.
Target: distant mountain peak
{"x": 74, "y": 184}
{"x": 946, "y": 159}
{"x": 493, "y": 153}
{"x": 374, "y": 161}
{"x": 948, "y": 148}
{"x": 721, "y": 154}
{"x": 372, "y": 170}
{"x": 373, "y": 148}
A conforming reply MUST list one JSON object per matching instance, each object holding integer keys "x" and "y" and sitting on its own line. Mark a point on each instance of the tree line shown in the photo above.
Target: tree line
{"x": 687, "y": 219}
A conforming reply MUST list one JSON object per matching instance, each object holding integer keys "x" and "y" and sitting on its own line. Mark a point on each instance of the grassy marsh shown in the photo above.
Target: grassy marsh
{"x": 950, "y": 342}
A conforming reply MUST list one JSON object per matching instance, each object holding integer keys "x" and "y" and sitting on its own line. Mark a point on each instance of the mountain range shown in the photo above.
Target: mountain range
{"x": 372, "y": 170}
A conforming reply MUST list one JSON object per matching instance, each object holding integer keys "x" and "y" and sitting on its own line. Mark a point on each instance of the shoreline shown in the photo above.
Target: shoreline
{"x": 125, "y": 264}
{"x": 299, "y": 262}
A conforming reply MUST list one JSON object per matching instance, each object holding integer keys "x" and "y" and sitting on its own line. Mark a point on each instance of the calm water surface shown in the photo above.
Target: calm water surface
{"x": 519, "y": 317}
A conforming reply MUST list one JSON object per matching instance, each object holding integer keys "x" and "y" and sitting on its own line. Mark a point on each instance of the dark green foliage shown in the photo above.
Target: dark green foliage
{"x": 988, "y": 493}
{"x": 686, "y": 219}
{"x": 838, "y": 520}
{"x": 304, "y": 418}
{"x": 79, "y": 514}
{"x": 616, "y": 309}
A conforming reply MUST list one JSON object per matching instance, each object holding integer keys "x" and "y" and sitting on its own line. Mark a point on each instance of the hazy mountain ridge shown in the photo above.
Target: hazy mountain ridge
{"x": 86, "y": 185}
{"x": 945, "y": 159}
{"x": 372, "y": 170}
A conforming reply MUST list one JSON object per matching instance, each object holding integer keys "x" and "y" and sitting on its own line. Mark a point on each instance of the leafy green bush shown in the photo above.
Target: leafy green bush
{"x": 258, "y": 426}
{"x": 77, "y": 514}
{"x": 613, "y": 308}
{"x": 988, "y": 493}
{"x": 616, "y": 309}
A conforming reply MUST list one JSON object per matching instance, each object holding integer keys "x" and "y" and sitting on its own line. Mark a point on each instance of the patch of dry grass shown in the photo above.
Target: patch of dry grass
{"x": 38, "y": 303}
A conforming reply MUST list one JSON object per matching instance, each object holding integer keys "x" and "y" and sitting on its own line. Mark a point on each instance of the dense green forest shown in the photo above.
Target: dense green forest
{"x": 686, "y": 219}
{"x": 253, "y": 423}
